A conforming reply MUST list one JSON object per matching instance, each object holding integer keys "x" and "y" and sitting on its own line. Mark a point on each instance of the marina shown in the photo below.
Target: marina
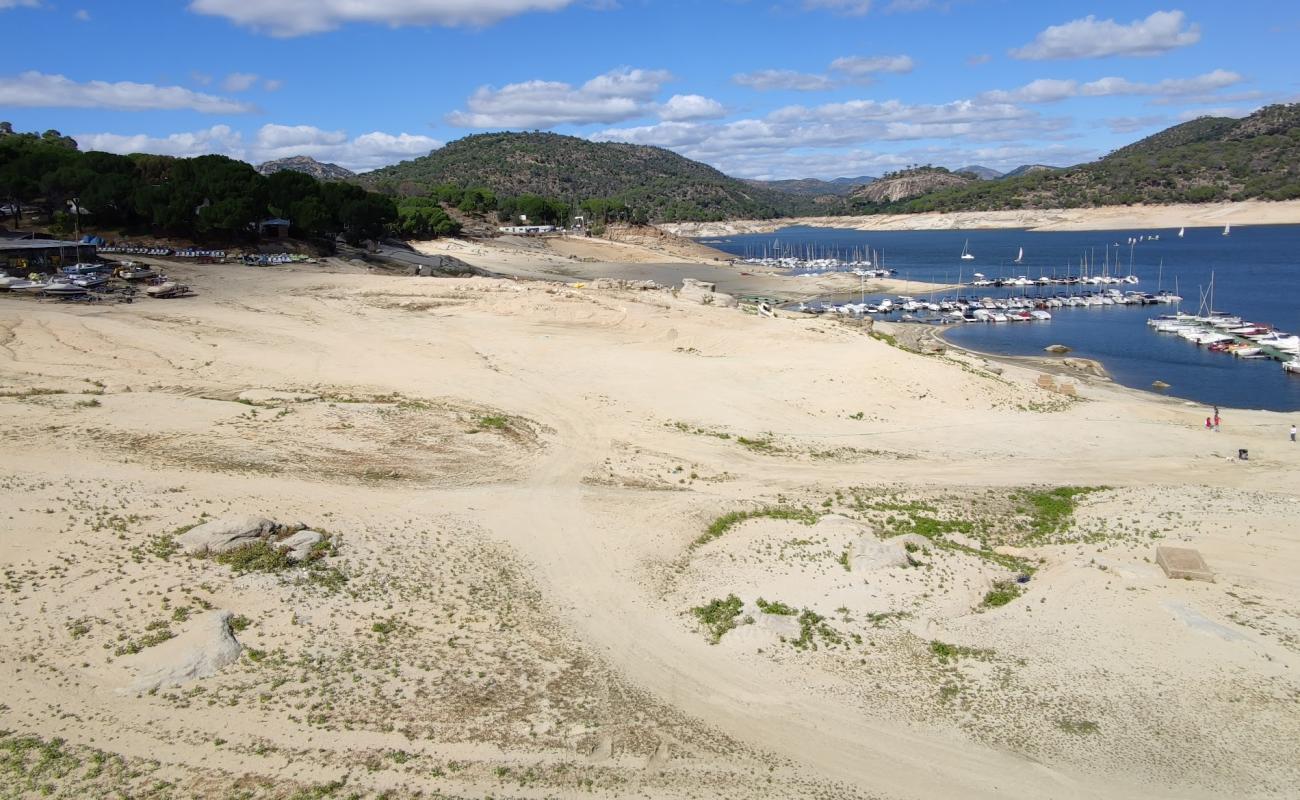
{"x": 1093, "y": 291}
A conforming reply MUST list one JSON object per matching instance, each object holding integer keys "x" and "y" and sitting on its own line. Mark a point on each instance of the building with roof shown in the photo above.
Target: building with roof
{"x": 20, "y": 256}
{"x": 274, "y": 228}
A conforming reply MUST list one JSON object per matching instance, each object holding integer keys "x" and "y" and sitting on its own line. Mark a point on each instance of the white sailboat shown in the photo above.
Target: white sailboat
{"x": 1227, "y": 229}
{"x": 1020, "y": 256}
{"x": 966, "y": 254}
{"x": 1181, "y": 231}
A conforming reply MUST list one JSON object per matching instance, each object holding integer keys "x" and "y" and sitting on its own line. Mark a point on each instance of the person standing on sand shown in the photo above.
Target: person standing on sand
{"x": 1292, "y": 433}
{"x": 1209, "y": 424}
{"x": 1216, "y": 421}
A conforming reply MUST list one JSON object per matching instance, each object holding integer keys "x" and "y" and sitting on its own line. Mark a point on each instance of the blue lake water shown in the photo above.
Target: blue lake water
{"x": 1256, "y": 273}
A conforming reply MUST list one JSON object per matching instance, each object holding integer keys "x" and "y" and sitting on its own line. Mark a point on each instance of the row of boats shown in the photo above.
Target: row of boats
{"x": 963, "y": 309}
{"x": 81, "y": 280}
{"x": 1226, "y": 333}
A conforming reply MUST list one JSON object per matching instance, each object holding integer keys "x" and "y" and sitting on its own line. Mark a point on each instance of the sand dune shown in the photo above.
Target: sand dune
{"x": 526, "y": 487}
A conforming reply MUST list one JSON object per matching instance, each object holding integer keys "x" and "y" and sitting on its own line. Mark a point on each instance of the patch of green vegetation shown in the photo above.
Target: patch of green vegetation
{"x": 157, "y": 632}
{"x": 812, "y": 625}
{"x": 775, "y": 607}
{"x": 493, "y": 423}
{"x": 240, "y": 623}
{"x": 1078, "y": 727}
{"x": 718, "y": 616}
{"x": 878, "y": 619}
{"x": 256, "y": 557}
{"x": 91, "y": 403}
{"x": 162, "y": 546}
{"x": 731, "y": 519}
{"x": 888, "y": 339}
{"x": 1003, "y": 592}
{"x": 78, "y": 628}
{"x": 763, "y": 443}
{"x": 947, "y": 653}
{"x": 688, "y": 428}
{"x": 1052, "y": 510}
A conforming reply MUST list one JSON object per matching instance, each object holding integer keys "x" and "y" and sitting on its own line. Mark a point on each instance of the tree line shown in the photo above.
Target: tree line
{"x": 203, "y": 198}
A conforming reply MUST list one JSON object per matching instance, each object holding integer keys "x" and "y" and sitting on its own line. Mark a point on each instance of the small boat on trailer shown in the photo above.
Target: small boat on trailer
{"x": 168, "y": 289}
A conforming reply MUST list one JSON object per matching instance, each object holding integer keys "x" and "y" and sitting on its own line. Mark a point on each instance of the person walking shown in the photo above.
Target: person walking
{"x": 1209, "y": 424}
{"x": 1216, "y": 421}
{"x": 1293, "y": 433}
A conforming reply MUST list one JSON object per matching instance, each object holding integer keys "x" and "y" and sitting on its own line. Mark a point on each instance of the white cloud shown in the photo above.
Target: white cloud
{"x": 1093, "y": 38}
{"x": 201, "y": 78}
{"x": 682, "y": 107}
{"x": 616, "y": 96}
{"x": 976, "y": 60}
{"x": 863, "y": 66}
{"x": 301, "y": 17}
{"x": 770, "y": 79}
{"x": 19, "y": 4}
{"x": 780, "y": 142}
{"x": 1047, "y": 90}
{"x": 38, "y": 90}
{"x": 272, "y": 85}
{"x": 82, "y": 15}
{"x": 365, "y": 152}
{"x": 217, "y": 139}
{"x": 239, "y": 81}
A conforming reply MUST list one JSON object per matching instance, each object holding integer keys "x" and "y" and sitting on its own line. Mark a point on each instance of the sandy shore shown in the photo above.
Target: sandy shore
{"x": 527, "y": 489}
{"x": 1252, "y": 212}
{"x": 666, "y": 261}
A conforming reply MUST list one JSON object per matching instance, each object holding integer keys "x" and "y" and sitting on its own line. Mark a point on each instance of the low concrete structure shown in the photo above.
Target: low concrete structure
{"x": 1184, "y": 563}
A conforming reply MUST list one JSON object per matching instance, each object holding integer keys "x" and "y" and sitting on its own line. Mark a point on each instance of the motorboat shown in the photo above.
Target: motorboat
{"x": 167, "y": 289}
{"x": 64, "y": 289}
{"x": 131, "y": 271}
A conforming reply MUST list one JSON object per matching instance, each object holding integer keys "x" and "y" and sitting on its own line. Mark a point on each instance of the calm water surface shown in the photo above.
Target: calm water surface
{"x": 1256, "y": 274}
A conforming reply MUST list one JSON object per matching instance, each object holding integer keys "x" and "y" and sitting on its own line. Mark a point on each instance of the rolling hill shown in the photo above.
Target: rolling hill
{"x": 663, "y": 184}
{"x": 1204, "y": 160}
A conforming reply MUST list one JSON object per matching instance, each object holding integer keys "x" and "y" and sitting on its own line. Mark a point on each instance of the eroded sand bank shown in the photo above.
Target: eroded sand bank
{"x": 522, "y": 482}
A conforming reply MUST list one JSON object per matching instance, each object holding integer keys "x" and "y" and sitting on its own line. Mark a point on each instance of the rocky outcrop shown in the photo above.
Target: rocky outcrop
{"x": 705, "y": 293}
{"x": 299, "y": 545}
{"x": 1058, "y": 349}
{"x": 224, "y": 534}
{"x": 308, "y": 166}
{"x": 201, "y": 651}
{"x": 909, "y": 183}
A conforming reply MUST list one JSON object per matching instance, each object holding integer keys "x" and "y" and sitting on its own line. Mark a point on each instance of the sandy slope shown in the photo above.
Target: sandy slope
{"x": 515, "y": 473}
{"x": 1250, "y": 212}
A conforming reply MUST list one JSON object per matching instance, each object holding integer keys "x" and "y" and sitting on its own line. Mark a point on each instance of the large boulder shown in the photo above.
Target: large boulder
{"x": 697, "y": 291}
{"x": 224, "y": 534}
{"x": 867, "y": 553}
{"x": 202, "y": 650}
{"x": 300, "y": 544}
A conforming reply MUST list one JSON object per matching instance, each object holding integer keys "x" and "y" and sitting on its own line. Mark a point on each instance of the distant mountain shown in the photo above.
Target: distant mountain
{"x": 909, "y": 183}
{"x": 861, "y": 180}
{"x": 1029, "y": 169}
{"x": 1204, "y": 160}
{"x": 813, "y": 187}
{"x": 983, "y": 173}
{"x": 309, "y": 166}
{"x": 657, "y": 182}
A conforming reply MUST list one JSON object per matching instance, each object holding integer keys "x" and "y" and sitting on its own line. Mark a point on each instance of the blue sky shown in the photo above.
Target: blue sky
{"x": 775, "y": 89}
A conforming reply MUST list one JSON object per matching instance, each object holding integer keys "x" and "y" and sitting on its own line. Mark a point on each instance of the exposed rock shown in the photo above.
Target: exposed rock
{"x": 705, "y": 293}
{"x": 993, "y": 368}
{"x": 1159, "y": 385}
{"x": 932, "y": 348}
{"x": 300, "y": 544}
{"x": 1059, "y": 349}
{"x": 868, "y": 553}
{"x": 225, "y": 534}
{"x": 780, "y": 625}
{"x": 909, "y": 183}
{"x": 307, "y": 165}
{"x": 1085, "y": 365}
{"x": 201, "y": 651}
